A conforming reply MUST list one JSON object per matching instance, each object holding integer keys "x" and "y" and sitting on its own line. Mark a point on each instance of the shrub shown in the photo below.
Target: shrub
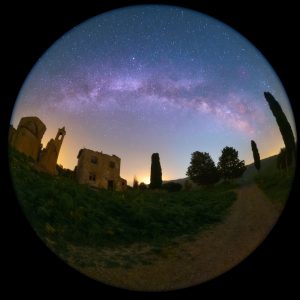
{"x": 172, "y": 186}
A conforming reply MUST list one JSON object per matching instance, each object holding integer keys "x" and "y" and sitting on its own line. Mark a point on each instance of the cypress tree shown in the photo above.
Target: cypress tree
{"x": 256, "y": 155}
{"x": 283, "y": 124}
{"x": 135, "y": 183}
{"x": 281, "y": 159}
{"x": 156, "y": 174}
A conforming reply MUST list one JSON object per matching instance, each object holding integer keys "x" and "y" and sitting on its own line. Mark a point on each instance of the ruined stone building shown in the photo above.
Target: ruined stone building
{"x": 48, "y": 156}
{"x": 99, "y": 170}
{"x": 93, "y": 168}
{"x": 27, "y": 139}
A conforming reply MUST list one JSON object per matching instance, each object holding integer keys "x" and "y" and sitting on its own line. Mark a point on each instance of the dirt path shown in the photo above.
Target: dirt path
{"x": 212, "y": 252}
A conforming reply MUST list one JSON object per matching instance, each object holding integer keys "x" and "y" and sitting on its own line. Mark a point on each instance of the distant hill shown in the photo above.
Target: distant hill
{"x": 248, "y": 175}
{"x": 251, "y": 171}
{"x": 180, "y": 180}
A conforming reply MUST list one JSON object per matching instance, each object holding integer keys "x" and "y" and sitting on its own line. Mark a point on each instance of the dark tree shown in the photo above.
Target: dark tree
{"x": 283, "y": 161}
{"x": 256, "y": 155}
{"x": 202, "y": 169}
{"x": 143, "y": 186}
{"x": 284, "y": 126}
{"x": 156, "y": 175}
{"x": 135, "y": 183}
{"x": 229, "y": 165}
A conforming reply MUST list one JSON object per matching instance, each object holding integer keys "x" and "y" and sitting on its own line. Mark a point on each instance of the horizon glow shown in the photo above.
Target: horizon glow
{"x": 154, "y": 78}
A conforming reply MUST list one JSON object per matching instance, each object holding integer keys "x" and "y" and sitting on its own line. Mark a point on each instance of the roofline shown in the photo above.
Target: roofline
{"x": 96, "y": 152}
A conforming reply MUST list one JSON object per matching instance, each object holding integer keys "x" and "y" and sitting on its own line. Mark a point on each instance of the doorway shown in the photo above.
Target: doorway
{"x": 110, "y": 185}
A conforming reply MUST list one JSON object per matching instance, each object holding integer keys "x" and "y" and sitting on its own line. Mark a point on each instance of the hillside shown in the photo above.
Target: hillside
{"x": 61, "y": 210}
{"x": 136, "y": 238}
{"x": 179, "y": 180}
{"x": 266, "y": 163}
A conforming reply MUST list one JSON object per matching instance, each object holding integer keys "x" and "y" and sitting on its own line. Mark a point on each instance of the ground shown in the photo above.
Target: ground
{"x": 189, "y": 261}
{"x": 150, "y": 240}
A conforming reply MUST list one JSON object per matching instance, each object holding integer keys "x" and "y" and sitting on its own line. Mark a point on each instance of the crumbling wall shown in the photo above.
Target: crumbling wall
{"x": 27, "y": 137}
{"x": 49, "y": 155}
{"x": 99, "y": 170}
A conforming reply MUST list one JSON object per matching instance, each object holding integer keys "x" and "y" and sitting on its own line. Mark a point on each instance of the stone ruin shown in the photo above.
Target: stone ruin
{"x": 95, "y": 169}
{"x": 48, "y": 156}
{"x": 27, "y": 139}
{"x": 99, "y": 170}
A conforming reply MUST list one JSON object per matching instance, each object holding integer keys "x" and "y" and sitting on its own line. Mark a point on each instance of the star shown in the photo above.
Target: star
{"x": 149, "y": 77}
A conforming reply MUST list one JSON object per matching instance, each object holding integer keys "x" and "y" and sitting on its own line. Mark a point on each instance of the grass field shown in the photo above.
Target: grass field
{"x": 63, "y": 212}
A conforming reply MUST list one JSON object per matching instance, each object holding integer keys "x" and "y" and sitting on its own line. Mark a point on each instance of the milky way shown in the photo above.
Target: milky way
{"x": 150, "y": 79}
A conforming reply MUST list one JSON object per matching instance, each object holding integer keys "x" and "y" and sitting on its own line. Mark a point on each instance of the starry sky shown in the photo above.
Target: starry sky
{"x": 154, "y": 78}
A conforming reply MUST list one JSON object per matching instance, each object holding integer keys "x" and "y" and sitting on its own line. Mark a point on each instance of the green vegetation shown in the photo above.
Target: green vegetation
{"x": 135, "y": 183}
{"x": 229, "y": 165}
{"x": 63, "y": 212}
{"x": 275, "y": 183}
{"x": 256, "y": 155}
{"x": 172, "y": 186}
{"x": 143, "y": 186}
{"x": 284, "y": 160}
{"x": 284, "y": 127}
{"x": 156, "y": 174}
{"x": 251, "y": 171}
{"x": 202, "y": 169}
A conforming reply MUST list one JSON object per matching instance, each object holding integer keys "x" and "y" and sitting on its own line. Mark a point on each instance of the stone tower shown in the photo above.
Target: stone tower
{"x": 60, "y": 137}
{"x": 27, "y": 137}
{"x": 49, "y": 155}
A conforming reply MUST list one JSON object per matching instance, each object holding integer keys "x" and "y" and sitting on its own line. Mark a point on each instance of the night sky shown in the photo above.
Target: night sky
{"x": 148, "y": 79}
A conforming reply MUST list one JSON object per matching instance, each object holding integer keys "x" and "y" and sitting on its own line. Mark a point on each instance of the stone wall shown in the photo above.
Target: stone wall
{"x": 99, "y": 170}
{"x": 27, "y": 137}
{"x": 49, "y": 155}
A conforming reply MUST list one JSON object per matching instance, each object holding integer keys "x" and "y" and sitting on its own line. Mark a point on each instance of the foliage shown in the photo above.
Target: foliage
{"x": 65, "y": 172}
{"x": 61, "y": 211}
{"x": 276, "y": 186}
{"x": 156, "y": 174}
{"x": 187, "y": 185}
{"x": 284, "y": 126}
{"x": 256, "y": 155}
{"x": 143, "y": 186}
{"x": 202, "y": 169}
{"x": 283, "y": 160}
{"x": 172, "y": 186}
{"x": 135, "y": 183}
{"x": 229, "y": 165}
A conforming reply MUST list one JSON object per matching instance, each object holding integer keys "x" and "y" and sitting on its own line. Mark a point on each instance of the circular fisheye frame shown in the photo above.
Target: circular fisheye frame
{"x": 148, "y": 145}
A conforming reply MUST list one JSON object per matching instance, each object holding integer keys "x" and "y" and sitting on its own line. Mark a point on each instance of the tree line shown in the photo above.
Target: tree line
{"x": 203, "y": 171}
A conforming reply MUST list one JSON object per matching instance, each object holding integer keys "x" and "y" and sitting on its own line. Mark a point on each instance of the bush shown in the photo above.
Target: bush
{"x": 143, "y": 186}
{"x": 172, "y": 186}
{"x": 188, "y": 185}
